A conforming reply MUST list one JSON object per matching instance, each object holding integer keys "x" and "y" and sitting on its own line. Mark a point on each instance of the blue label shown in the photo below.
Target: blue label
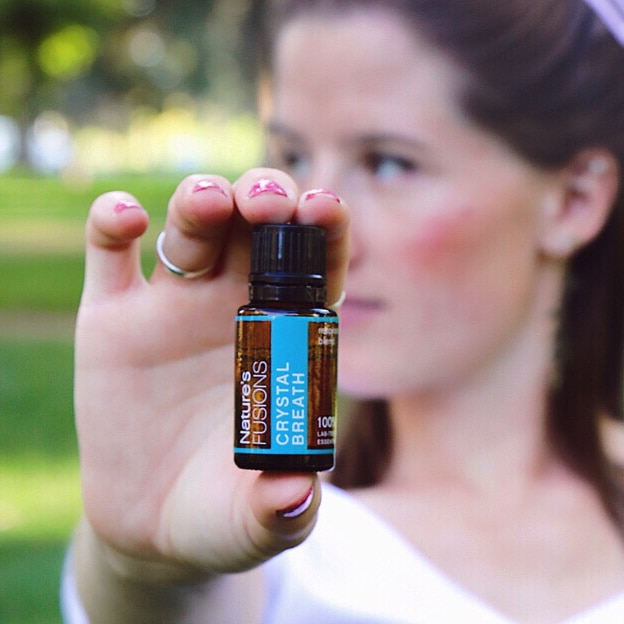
{"x": 299, "y": 347}
{"x": 289, "y": 374}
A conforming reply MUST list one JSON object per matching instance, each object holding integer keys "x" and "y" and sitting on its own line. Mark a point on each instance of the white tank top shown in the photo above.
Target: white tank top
{"x": 356, "y": 569}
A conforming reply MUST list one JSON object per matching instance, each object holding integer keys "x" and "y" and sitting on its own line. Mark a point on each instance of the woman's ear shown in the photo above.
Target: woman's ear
{"x": 589, "y": 185}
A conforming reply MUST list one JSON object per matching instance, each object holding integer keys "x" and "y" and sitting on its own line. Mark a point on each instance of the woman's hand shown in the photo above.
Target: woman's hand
{"x": 154, "y": 378}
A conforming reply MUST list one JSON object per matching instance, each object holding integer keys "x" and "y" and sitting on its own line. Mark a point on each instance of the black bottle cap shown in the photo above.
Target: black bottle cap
{"x": 288, "y": 254}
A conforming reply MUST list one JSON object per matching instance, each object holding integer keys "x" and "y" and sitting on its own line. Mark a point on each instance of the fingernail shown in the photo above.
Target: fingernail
{"x": 266, "y": 186}
{"x": 207, "y": 185}
{"x": 321, "y": 193}
{"x": 299, "y": 508}
{"x": 124, "y": 205}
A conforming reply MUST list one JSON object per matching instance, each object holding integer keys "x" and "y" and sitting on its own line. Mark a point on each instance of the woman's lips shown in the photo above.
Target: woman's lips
{"x": 358, "y": 309}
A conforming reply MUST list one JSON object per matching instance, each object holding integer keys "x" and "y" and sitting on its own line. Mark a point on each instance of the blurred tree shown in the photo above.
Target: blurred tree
{"x": 44, "y": 43}
{"x": 70, "y": 55}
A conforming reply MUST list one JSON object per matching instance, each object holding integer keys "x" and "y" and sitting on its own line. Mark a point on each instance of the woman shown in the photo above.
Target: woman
{"x": 479, "y": 145}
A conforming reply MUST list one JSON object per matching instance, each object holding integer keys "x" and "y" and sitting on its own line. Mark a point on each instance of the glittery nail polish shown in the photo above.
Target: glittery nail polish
{"x": 122, "y": 206}
{"x": 314, "y": 193}
{"x": 207, "y": 185}
{"x": 262, "y": 187}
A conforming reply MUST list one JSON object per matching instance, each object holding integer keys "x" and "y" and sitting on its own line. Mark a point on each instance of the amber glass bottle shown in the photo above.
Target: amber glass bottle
{"x": 286, "y": 355}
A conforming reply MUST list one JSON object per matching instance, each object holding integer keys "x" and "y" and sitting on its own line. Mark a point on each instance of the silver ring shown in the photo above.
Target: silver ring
{"x": 336, "y": 306}
{"x": 172, "y": 268}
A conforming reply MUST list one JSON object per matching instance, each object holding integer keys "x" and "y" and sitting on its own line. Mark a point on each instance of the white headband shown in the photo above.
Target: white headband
{"x": 611, "y": 13}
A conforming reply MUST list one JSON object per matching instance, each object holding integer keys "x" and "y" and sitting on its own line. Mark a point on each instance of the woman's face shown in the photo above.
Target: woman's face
{"x": 444, "y": 280}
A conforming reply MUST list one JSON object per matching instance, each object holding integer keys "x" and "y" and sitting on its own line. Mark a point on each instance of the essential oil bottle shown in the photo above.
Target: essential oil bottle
{"x": 286, "y": 355}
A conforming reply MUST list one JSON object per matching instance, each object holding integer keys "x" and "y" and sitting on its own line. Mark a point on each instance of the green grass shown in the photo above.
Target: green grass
{"x": 41, "y": 283}
{"x": 39, "y": 488}
{"x": 29, "y": 581}
{"x": 36, "y": 390}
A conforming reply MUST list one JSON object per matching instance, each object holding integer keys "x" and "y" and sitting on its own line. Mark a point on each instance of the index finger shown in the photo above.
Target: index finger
{"x": 327, "y": 210}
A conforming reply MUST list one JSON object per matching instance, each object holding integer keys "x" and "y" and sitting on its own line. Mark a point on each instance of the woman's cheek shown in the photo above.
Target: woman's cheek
{"x": 442, "y": 242}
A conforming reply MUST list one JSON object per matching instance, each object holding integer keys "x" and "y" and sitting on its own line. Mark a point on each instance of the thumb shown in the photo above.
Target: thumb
{"x": 284, "y": 510}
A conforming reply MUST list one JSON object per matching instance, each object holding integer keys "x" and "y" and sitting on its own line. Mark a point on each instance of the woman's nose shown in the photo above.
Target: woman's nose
{"x": 323, "y": 177}
{"x": 326, "y": 173}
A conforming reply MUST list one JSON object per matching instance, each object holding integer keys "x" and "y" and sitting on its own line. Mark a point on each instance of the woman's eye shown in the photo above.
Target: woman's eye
{"x": 292, "y": 161}
{"x": 388, "y": 167}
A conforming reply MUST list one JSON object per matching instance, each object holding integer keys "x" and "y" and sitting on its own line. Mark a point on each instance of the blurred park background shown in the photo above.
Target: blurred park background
{"x": 94, "y": 95}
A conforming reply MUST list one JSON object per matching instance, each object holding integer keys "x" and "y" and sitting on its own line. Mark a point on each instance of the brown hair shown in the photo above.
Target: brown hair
{"x": 548, "y": 78}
